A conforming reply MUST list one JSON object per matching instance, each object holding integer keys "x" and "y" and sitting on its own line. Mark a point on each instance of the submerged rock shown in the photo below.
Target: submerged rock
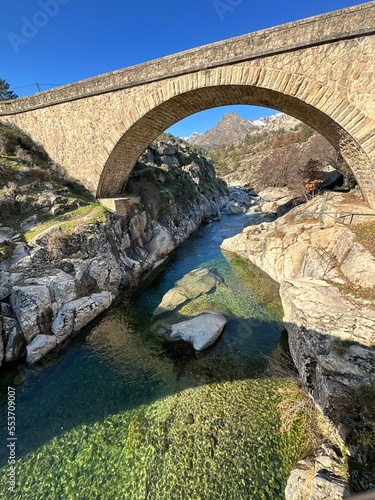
{"x": 201, "y": 331}
{"x": 191, "y": 286}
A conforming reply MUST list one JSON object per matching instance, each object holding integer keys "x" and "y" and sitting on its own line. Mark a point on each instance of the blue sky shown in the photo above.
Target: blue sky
{"x": 62, "y": 41}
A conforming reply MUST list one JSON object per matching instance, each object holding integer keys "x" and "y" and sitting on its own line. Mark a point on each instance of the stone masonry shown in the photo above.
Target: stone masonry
{"x": 319, "y": 70}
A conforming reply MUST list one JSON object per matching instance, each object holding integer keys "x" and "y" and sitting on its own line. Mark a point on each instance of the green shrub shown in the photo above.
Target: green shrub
{"x": 6, "y": 250}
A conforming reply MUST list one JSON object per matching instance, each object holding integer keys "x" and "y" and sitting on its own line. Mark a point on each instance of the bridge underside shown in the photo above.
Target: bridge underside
{"x": 132, "y": 144}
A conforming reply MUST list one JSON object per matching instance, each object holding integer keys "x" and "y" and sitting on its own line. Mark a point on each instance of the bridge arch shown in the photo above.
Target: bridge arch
{"x": 318, "y": 104}
{"x": 319, "y": 70}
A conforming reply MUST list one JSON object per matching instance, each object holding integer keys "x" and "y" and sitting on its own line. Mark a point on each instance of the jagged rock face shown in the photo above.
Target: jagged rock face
{"x": 173, "y": 190}
{"x": 306, "y": 248}
{"x": 318, "y": 476}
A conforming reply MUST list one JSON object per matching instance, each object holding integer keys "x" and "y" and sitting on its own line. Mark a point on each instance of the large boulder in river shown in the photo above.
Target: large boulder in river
{"x": 191, "y": 286}
{"x": 201, "y": 331}
{"x": 234, "y": 208}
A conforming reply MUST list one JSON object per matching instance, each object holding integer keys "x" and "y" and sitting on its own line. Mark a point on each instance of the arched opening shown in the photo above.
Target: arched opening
{"x": 144, "y": 130}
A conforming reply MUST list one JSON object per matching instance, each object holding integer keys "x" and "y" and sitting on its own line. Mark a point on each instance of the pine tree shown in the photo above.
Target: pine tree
{"x": 5, "y": 93}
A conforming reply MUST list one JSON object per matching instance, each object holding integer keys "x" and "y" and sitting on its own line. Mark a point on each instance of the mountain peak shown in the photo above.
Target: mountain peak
{"x": 233, "y": 128}
{"x": 232, "y": 115}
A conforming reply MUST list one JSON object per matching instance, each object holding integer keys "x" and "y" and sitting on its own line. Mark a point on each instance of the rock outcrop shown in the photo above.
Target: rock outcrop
{"x": 61, "y": 280}
{"x": 318, "y": 476}
{"x": 327, "y": 282}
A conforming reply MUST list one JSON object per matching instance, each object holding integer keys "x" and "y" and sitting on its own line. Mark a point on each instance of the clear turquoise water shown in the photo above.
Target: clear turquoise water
{"x": 118, "y": 414}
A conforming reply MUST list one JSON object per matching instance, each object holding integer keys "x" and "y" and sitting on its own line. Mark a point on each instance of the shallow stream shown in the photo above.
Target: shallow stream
{"x": 117, "y": 414}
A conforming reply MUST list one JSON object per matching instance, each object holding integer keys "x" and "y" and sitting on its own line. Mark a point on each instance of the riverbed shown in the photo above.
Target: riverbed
{"x": 119, "y": 414}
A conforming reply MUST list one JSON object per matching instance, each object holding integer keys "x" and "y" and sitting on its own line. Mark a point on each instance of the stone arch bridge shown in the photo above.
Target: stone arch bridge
{"x": 319, "y": 70}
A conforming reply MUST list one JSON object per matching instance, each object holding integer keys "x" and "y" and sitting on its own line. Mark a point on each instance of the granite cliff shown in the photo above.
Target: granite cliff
{"x": 322, "y": 254}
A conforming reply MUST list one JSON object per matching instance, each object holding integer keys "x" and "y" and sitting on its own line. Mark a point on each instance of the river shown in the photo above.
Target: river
{"x": 117, "y": 414}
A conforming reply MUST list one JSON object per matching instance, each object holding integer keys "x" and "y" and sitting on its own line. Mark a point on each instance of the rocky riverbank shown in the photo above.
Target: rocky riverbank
{"x": 323, "y": 258}
{"x": 58, "y": 274}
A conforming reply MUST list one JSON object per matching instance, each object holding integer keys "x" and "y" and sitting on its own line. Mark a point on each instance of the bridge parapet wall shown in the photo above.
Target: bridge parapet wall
{"x": 342, "y": 24}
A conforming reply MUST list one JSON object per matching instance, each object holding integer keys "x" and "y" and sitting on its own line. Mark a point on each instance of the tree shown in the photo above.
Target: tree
{"x": 5, "y": 93}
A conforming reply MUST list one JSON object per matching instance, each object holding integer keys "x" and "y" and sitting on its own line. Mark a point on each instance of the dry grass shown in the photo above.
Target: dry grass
{"x": 351, "y": 198}
{"x": 56, "y": 244}
{"x": 365, "y": 234}
{"x": 6, "y": 250}
{"x": 297, "y": 407}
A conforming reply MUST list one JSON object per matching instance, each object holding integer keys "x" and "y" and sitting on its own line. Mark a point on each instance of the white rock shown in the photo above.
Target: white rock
{"x": 106, "y": 272}
{"x": 63, "y": 288}
{"x": 274, "y": 193}
{"x": 73, "y": 316}
{"x": 33, "y": 308}
{"x": 137, "y": 225}
{"x": 205, "y": 208}
{"x": 160, "y": 245}
{"x": 39, "y": 347}
{"x": 63, "y": 324}
{"x": 299, "y": 481}
{"x": 201, "y": 331}
{"x": 359, "y": 266}
{"x": 20, "y": 257}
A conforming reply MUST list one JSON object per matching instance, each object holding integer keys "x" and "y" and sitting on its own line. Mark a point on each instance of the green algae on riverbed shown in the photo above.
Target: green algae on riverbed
{"x": 121, "y": 415}
{"x": 216, "y": 441}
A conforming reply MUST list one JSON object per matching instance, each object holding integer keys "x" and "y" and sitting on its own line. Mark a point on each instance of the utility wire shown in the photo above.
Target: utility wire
{"x": 38, "y": 85}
